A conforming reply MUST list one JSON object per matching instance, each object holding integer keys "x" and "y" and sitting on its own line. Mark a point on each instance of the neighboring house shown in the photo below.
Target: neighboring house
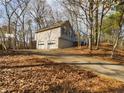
{"x": 5, "y": 36}
{"x": 59, "y": 35}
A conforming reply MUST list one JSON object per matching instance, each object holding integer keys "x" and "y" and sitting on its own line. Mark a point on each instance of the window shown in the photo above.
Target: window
{"x": 41, "y": 43}
{"x": 51, "y": 42}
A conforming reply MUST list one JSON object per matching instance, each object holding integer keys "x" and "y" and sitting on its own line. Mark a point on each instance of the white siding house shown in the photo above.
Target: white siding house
{"x": 59, "y": 35}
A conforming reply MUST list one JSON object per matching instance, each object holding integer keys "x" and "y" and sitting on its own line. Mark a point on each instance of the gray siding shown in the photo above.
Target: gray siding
{"x": 64, "y": 43}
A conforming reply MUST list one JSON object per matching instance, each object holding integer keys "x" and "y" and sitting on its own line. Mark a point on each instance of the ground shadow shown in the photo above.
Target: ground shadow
{"x": 25, "y": 52}
{"x": 62, "y": 63}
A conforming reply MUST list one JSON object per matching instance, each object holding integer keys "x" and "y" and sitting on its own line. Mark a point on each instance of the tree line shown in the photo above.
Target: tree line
{"x": 94, "y": 14}
{"x": 100, "y": 18}
{"x": 20, "y": 18}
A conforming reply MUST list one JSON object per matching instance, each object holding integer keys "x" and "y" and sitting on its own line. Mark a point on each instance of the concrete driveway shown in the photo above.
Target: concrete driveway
{"x": 100, "y": 67}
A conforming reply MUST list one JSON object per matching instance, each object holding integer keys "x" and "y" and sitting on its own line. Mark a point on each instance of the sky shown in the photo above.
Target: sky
{"x": 54, "y": 4}
{"x": 51, "y": 2}
{"x": 1, "y": 14}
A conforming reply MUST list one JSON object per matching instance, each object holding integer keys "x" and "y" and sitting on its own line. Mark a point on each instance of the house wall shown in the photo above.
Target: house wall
{"x": 61, "y": 37}
{"x": 64, "y": 43}
{"x": 48, "y": 39}
{"x": 67, "y": 33}
{"x": 67, "y": 37}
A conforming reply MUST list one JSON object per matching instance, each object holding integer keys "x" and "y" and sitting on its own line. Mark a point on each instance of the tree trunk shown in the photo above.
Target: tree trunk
{"x": 90, "y": 42}
{"x": 30, "y": 33}
{"x": 9, "y": 32}
{"x": 15, "y": 37}
{"x": 116, "y": 43}
{"x": 91, "y": 23}
{"x": 31, "y": 39}
{"x": 2, "y": 38}
{"x": 96, "y": 22}
{"x": 99, "y": 33}
{"x": 23, "y": 29}
{"x": 98, "y": 40}
{"x": 114, "y": 47}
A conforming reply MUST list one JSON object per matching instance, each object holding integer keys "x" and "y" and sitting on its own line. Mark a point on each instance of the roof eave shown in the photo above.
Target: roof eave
{"x": 46, "y": 29}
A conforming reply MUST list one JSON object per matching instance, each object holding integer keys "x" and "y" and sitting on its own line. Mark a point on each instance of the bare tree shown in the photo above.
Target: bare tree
{"x": 41, "y": 12}
{"x": 23, "y": 4}
{"x": 10, "y": 9}
{"x": 20, "y": 18}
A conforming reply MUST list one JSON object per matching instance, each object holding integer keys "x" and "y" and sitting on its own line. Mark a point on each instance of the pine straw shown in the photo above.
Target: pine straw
{"x": 35, "y": 74}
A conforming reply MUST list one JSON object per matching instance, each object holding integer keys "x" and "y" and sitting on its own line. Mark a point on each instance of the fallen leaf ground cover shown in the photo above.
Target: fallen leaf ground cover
{"x": 36, "y": 74}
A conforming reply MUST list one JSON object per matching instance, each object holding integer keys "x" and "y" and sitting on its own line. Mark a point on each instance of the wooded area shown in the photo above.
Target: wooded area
{"x": 85, "y": 56}
{"x": 99, "y": 21}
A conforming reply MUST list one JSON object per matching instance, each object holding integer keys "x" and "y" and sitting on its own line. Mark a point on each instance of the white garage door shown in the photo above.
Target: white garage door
{"x": 41, "y": 45}
{"x": 51, "y": 44}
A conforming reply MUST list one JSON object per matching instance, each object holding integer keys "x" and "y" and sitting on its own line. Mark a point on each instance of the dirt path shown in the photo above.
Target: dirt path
{"x": 101, "y": 67}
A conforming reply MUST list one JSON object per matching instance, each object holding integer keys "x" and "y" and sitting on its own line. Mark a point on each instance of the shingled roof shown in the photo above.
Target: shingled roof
{"x": 55, "y": 25}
